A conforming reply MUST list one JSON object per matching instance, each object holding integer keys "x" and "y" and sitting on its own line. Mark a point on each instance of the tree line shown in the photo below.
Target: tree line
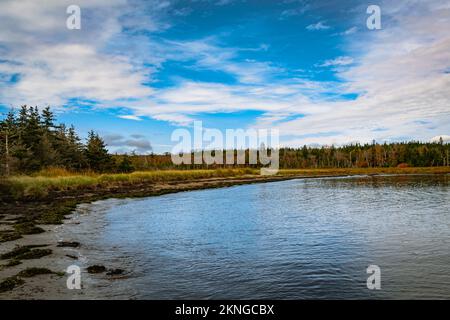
{"x": 374, "y": 155}
{"x": 31, "y": 140}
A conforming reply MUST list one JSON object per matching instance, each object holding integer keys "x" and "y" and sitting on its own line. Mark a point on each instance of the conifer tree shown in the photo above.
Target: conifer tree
{"x": 97, "y": 156}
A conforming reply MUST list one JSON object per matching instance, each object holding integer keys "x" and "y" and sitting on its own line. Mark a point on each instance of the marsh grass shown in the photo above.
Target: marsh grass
{"x": 54, "y": 179}
{"x": 38, "y": 186}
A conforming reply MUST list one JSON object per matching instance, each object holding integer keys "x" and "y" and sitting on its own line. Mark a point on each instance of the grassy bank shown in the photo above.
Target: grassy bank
{"x": 41, "y": 185}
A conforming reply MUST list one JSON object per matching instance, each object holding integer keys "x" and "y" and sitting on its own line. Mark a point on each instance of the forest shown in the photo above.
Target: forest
{"x": 31, "y": 140}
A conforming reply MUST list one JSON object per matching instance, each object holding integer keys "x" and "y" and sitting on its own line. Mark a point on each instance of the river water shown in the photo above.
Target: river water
{"x": 297, "y": 239}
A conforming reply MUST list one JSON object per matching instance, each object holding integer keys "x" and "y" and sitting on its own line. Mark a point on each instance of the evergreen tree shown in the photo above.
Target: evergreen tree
{"x": 97, "y": 156}
{"x": 48, "y": 118}
{"x": 125, "y": 165}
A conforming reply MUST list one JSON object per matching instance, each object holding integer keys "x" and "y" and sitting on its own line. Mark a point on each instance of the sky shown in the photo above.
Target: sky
{"x": 138, "y": 70}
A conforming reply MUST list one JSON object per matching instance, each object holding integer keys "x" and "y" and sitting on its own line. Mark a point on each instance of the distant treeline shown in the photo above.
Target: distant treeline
{"x": 405, "y": 154}
{"x": 31, "y": 140}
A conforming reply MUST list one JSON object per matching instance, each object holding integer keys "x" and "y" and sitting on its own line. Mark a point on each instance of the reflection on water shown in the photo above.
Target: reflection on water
{"x": 311, "y": 238}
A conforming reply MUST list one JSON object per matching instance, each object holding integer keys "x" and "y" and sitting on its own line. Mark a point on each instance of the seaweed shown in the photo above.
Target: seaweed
{"x": 31, "y": 272}
{"x": 10, "y": 283}
{"x": 26, "y": 252}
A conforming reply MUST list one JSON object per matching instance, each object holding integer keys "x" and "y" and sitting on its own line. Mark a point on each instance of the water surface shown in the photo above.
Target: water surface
{"x": 297, "y": 239}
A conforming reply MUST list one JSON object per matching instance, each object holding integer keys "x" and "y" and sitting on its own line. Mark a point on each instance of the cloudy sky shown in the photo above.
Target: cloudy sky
{"x": 137, "y": 70}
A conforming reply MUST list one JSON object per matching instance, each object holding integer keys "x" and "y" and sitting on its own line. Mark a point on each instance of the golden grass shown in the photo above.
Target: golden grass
{"x": 39, "y": 184}
{"x": 56, "y": 179}
{"x": 54, "y": 172}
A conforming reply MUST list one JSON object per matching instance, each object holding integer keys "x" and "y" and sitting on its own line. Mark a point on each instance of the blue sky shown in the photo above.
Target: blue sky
{"x": 137, "y": 70}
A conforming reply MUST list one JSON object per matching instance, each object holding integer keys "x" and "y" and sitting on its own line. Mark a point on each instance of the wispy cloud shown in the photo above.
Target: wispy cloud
{"x": 349, "y": 31}
{"x": 339, "y": 61}
{"x": 223, "y": 2}
{"x": 130, "y": 117}
{"x": 285, "y": 14}
{"x": 321, "y": 25}
{"x": 209, "y": 55}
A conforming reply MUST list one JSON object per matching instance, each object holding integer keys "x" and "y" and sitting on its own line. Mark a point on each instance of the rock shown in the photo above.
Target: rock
{"x": 115, "y": 272}
{"x": 72, "y": 257}
{"x": 96, "y": 269}
{"x": 72, "y": 244}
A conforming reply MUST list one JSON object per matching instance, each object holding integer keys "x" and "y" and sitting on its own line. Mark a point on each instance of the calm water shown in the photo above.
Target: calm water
{"x": 297, "y": 239}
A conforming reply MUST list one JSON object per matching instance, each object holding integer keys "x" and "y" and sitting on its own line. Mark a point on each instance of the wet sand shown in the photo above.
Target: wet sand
{"x": 46, "y": 286}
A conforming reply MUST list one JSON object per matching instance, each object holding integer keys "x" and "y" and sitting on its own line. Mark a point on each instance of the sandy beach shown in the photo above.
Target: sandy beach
{"x": 45, "y": 286}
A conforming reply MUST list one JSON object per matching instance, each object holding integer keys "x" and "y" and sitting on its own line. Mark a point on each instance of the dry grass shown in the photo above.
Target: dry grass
{"x": 56, "y": 179}
{"x": 39, "y": 185}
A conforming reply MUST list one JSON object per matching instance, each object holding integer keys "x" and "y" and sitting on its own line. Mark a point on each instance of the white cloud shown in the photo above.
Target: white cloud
{"x": 293, "y": 12}
{"x": 53, "y": 74}
{"x": 130, "y": 117}
{"x": 339, "y": 61}
{"x": 211, "y": 56}
{"x": 445, "y": 138}
{"x": 196, "y": 97}
{"x": 56, "y": 65}
{"x": 174, "y": 118}
{"x": 349, "y": 31}
{"x": 321, "y": 25}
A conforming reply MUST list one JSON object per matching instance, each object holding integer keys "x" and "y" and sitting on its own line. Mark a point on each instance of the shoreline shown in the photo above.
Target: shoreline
{"x": 53, "y": 286}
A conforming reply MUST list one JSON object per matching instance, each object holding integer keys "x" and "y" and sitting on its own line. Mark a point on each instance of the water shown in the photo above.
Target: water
{"x": 298, "y": 239}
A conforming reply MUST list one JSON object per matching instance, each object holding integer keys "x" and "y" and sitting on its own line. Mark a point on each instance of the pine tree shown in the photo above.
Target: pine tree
{"x": 48, "y": 118}
{"x": 76, "y": 158}
{"x": 97, "y": 156}
{"x": 125, "y": 165}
